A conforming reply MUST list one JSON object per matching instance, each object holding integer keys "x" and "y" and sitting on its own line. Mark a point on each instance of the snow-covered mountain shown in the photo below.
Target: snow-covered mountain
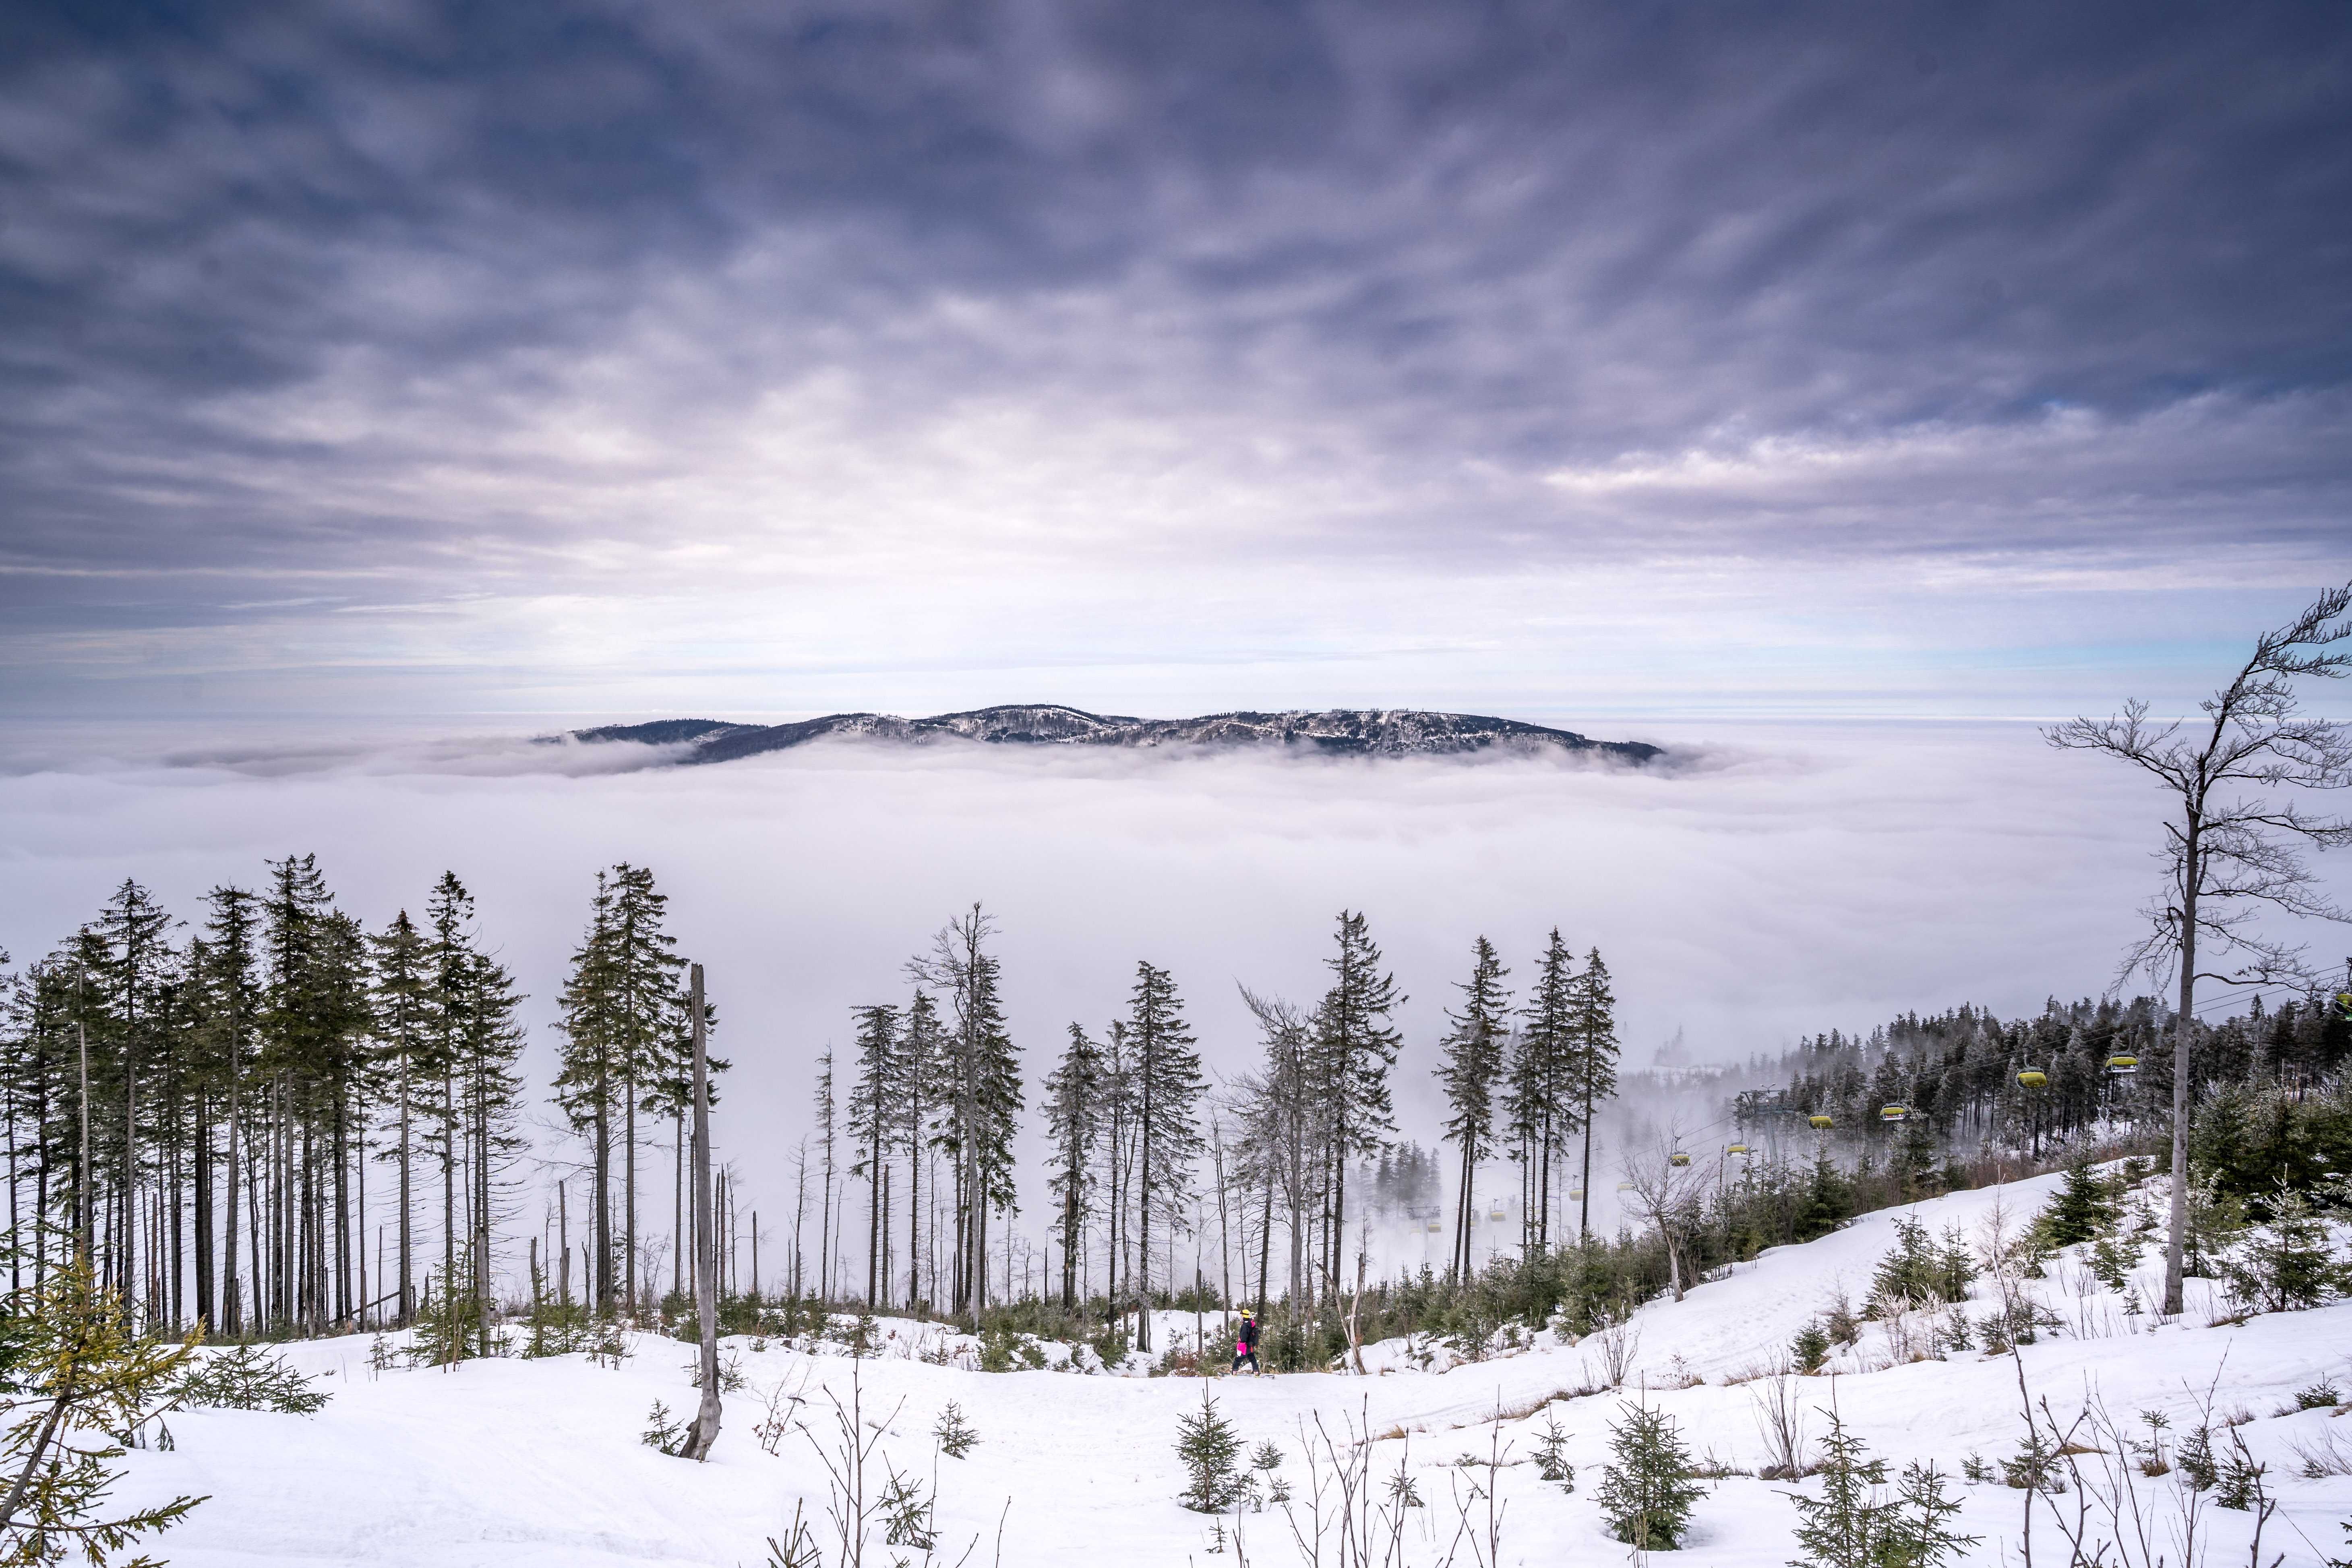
{"x": 1355, "y": 731}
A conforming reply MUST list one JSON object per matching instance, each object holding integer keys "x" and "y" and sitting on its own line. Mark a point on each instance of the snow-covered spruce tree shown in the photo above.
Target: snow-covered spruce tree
{"x": 1208, "y": 1445}
{"x": 1648, "y": 1487}
{"x": 73, "y": 1368}
{"x": 1472, "y": 1064}
{"x": 1074, "y": 1117}
{"x": 1168, "y": 1086}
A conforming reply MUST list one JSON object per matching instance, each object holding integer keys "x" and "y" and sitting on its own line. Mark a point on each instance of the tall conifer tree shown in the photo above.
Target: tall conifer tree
{"x": 1472, "y": 1065}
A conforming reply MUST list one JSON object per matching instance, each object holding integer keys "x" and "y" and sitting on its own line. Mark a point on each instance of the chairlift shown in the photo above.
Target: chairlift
{"x": 1435, "y": 1227}
{"x": 1678, "y": 1158}
{"x": 1895, "y": 1114}
{"x": 1821, "y": 1123}
{"x": 2344, "y": 1006}
{"x": 1576, "y": 1194}
{"x": 1738, "y": 1149}
{"x": 2121, "y": 1066}
{"x": 1496, "y": 1212}
{"x": 2034, "y": 1078}
{"x": 1625, "y": 1186}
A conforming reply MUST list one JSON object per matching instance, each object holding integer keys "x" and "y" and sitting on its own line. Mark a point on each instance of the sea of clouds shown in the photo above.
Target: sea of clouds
{"x": 1771, "y": 881}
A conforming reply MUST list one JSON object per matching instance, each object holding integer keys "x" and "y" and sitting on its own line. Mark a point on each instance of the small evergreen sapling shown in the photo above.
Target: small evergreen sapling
{"x": 247, "y": 1378}
{"x": 79, "y": 1382}
{"x": 662, "y": 1429}
{"x": 1267, "y": 1460}
{"x": 1650, "y": 1486}
{"x": 2289, "y": 1262}
{"x": 905, "y": 1510}
{"x": 1208, "y": 1445}
{"x": 1855, "y": 1524}
{"x": 1552, "y": 1453}
{"x": 956, "y": 1436}
{"x": 1810, "y": 1350}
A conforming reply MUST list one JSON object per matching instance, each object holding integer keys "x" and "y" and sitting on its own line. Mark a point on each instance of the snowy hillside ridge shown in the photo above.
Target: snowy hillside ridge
{"x": 1385, "y": 733}
{"x": 520, "y": 1462}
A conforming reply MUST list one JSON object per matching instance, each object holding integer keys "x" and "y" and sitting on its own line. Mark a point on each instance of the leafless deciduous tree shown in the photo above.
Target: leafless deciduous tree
{"x": 2234, "y": 849}
{"x": 1668, "y": 1194}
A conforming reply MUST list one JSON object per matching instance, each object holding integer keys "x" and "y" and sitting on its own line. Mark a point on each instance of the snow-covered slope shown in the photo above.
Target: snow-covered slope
{"x": 538, "y": 1462}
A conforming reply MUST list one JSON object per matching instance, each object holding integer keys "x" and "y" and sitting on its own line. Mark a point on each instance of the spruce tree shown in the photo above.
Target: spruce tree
{"x": 80, "y": 1379}
{"x": 232, "y": 990}
{"x": 1648, "y": 1488}
{"x": 922, "y": 1063}
{"x": 1542, "y": 1100}
{"x": 1855, "y": 1524}
{"x": 2079, "y": 1212}
{"x": 1472, "y": 1063}
{"x": 870, "y": 1112}
{"x": 1168, "y": 1086}
{"x": 404, "y": 1036}
{"x": 981, "y": 1085}
{"x": 1593, "y": 1070}
{"x": 1073, "y": 1114}
{"x": 1355, "y": 1047}
{"x": 1208, "y": 1445}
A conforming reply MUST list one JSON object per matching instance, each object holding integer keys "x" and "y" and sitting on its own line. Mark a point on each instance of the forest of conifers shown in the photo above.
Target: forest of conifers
{"x": 275, "y": 1120}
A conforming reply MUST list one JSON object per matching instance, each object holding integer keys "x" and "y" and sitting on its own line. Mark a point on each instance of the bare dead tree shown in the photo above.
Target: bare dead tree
{"x": 2234, "y": 852}
{"x": 1276, "y": 1112}
{"x": 1668, "y": 1194}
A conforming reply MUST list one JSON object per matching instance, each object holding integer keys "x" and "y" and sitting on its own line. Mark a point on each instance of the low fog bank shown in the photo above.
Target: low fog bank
{"x": 1775, "y": 881}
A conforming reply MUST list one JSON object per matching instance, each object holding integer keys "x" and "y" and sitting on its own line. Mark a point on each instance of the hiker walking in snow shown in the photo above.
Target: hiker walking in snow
{"x": 1246, "y": 1342}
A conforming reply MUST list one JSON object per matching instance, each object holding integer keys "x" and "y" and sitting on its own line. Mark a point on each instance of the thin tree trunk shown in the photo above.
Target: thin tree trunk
{"x": 2184, "y": 1026}
{"x": 705, "y": 1429}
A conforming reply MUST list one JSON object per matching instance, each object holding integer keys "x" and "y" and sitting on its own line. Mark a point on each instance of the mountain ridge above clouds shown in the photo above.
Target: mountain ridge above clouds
{"x": 1341, "y": 731}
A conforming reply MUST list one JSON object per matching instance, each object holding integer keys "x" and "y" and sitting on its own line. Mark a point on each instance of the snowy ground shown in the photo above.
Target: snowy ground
{"x": 538, "y": 1462}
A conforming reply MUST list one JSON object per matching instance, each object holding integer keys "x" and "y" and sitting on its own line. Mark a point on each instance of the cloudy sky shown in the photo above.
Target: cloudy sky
{"x": 1562, "y": 361}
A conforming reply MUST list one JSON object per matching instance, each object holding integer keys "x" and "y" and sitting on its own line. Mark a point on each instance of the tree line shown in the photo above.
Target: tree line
{"x": 281, "y": 1122}
{"x": 1144, "y": 1153}
{"x": 275, "y": 1120}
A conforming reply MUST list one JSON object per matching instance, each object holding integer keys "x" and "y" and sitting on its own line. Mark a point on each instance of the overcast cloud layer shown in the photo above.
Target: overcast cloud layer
{"x": 1553, "y": 358}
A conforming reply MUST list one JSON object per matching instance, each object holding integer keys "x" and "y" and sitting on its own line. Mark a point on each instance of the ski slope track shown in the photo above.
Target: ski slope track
{"x": 528, "y": 1463}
